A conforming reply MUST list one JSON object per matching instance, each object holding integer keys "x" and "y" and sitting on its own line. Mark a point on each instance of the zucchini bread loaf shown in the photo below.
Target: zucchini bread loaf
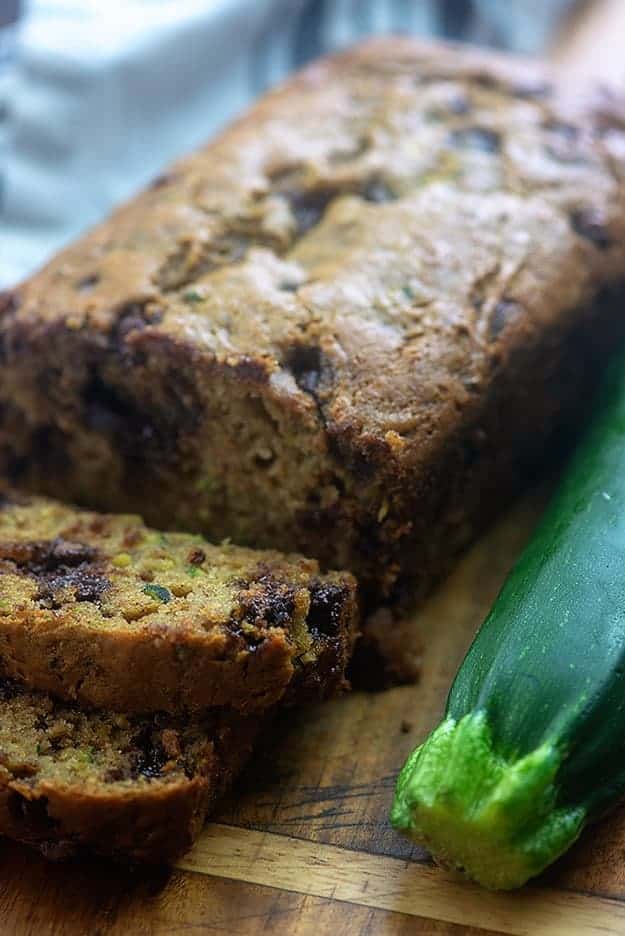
{"x": 100, "y": 609}
{"x": 349, "y": 327}
{"x": 130, "y": 787}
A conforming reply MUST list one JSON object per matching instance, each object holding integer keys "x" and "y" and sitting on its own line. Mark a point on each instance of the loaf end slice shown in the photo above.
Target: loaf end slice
{"x": 102, "y": 610}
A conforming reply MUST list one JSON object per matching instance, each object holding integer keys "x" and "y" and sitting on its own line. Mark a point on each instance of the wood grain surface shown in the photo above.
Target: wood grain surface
{"x": 303, "y": 844}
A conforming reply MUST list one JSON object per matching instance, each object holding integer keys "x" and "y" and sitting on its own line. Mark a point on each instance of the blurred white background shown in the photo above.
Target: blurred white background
{"x": 97, "y": 95}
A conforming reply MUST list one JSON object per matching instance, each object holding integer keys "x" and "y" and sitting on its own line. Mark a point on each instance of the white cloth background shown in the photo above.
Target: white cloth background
{"x": 100, "y": 94}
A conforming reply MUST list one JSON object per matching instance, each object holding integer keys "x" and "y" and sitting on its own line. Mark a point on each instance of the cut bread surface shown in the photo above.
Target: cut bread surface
{"x": 136, "y": 788}
{"x": 103, "y": 610}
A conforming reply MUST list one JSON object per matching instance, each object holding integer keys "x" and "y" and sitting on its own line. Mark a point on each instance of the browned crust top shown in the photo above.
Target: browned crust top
{"x": 369, "y": 242}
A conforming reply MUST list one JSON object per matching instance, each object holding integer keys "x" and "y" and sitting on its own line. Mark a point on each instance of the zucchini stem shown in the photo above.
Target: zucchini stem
{"x": 492, "y": 817}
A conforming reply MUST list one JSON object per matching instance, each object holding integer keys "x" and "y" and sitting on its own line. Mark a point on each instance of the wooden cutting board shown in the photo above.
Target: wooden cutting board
{"x": 303, "y": 845}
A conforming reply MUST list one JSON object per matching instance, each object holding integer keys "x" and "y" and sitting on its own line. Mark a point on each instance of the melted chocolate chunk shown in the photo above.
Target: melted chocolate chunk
{"x": 58, "y": 565}
{"x": 308, "y": 207}
{"x": 143, "y": 436}
{"x": 305, "y": 363}
{"x": 269, "y": 603}
{"x": 41, "y": 556}
{"x": 150, "y": 758}
{"x": 326, "y": 606}
{"x": 41, "y": 722}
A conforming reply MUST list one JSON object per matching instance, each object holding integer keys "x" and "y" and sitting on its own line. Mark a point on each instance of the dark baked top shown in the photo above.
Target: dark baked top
{"x": 102, "y": 609}
{"x": 122, "y": 785}
{"x": 400, "y": 209}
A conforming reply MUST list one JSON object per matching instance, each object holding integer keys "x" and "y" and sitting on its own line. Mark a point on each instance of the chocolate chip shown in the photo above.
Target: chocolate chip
{"x": 63, "y": 553}
{"x": 326, "y": 608}
{"x": 476, "y": 138}
{"x": 308, "y": 207}
{"x": 146, "y": 437}
{"x": 267, "y": 603}
{"x": 40, "y": 556}
{"x": 58, "y": 565}
{"x": 150, "y": 758}
{"x": 86, "y": 586}
{"x": 305, "y": 363}
{"x": 590, "y": 224}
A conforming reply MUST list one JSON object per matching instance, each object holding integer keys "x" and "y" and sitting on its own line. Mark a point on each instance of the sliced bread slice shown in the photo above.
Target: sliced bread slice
{"x": 136, "y": 788}
{"x": 102, "y": 610}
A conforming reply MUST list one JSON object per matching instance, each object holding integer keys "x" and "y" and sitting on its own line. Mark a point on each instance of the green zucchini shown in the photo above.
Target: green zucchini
{"x": 532, "y": 745}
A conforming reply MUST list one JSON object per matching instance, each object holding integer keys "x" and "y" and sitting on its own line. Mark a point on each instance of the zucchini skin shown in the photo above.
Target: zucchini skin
{"x": 533, "y": 741}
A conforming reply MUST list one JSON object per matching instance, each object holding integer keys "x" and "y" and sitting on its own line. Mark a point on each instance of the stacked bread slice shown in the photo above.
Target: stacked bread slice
{"x": 139, "y": 668}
